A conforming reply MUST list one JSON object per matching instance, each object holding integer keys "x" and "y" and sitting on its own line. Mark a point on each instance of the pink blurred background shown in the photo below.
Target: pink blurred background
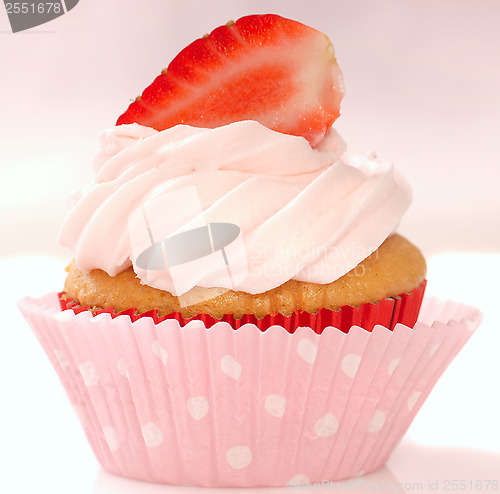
{"x": 422, "y": 81}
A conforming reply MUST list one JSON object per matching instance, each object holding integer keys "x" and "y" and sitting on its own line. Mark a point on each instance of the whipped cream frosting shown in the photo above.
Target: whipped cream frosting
{"x": 305, "y": 214}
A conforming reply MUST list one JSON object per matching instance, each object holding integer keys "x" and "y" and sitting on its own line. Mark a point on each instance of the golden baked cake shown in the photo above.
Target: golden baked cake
{"x": 396, "y": 267}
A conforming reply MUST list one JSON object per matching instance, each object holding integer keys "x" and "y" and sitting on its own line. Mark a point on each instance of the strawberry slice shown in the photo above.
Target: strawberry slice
{"x": 262, "y": 67}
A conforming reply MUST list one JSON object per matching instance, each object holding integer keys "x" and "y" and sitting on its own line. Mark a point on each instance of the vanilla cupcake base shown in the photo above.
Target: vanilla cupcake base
{"x": 225, "y": 408}
{"x": 396, "y": 267}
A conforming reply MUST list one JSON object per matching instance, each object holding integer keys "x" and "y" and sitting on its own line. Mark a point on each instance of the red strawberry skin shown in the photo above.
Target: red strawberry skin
{"x": 261, "y": 67}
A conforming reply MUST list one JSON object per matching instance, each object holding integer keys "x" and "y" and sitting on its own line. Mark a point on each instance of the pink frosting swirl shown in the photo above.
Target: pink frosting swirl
{"x": 305, "y": 214}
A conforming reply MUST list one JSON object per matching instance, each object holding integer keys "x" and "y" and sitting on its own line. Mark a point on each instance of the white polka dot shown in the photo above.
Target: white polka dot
{"x": 393, "y": 364}
{"x": 377, "y": 421}
{"x": 434, "y": 349}
{"x": 112, "y": 438}
{"x": 470, "y": 325}
{"x": 152, "y": 434}
{"x": 298, "y": 480}
{"x": 350, "y": 364}
{"x": 89, "y": 373}
{"x": 160, "y": 352}
{"x": 412, "y": 400}
{"x": 122, "y": 368}
{"x": 81, "y": 415}
{"x": 239, "y": 457}
{"x": 230, "y": 367}
{"x": 307, "y": 350}
{"x": 359, "y": 474}
{"x": 61, "y": 358}
{"x": 326, "y": 425}
{"x": 197, "y": 407}
{"x": 275, "y": 405}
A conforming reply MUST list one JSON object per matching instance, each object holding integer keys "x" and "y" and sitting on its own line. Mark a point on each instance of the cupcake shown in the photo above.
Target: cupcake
{"x": 240, "y": 310}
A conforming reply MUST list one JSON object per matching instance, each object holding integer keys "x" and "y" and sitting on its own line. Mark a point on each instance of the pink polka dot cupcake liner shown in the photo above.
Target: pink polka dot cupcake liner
{"x": 218, "y": 407}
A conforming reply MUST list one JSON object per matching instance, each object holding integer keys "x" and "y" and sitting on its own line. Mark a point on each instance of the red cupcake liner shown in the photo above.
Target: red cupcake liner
{"x": 402, "y": 309}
